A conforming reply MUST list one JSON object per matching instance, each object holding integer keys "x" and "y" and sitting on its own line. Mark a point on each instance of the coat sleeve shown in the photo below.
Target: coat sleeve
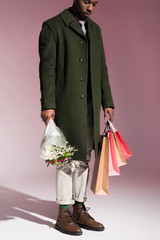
{"x": 106, "y": 99}
{"x": 47, "y": 54}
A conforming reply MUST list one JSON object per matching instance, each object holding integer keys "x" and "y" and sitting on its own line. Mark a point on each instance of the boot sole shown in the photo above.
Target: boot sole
{"x": 89, "y": 228}
{"x": 67, "y": 232}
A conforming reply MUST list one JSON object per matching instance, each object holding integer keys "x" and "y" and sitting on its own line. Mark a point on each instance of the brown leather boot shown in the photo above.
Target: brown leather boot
{"x": 84, "y": 220}
{"x": 66, "y": 224}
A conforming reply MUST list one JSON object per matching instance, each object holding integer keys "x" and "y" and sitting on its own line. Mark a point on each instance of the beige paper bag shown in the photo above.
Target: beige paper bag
{"x": 99, "y": 183}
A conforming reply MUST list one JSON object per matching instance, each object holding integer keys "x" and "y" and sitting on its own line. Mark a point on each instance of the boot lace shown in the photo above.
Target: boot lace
{"x": 69, "y": 216}
{"x": 85, "y": 210}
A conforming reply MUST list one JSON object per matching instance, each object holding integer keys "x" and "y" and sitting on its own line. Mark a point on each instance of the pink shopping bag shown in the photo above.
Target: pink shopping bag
{"x": 113, "y": 157}
{"x": 125, "y": 150}
{"x": 120, "y": 157}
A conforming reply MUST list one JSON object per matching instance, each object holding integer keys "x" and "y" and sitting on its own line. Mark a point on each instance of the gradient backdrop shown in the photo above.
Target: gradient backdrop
{"x": 131, "y": 37}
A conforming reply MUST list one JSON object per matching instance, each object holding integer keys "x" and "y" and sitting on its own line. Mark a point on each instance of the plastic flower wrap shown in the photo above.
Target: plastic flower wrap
{"x": 54, "y": 147}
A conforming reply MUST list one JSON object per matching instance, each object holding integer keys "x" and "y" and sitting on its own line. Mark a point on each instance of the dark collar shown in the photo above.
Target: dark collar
{"x": 68, "y": 18}
{"x": 70, "y": 21}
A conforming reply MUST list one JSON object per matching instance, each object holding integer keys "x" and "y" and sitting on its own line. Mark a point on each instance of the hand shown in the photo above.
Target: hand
{"x": 46, "y": 115}
{"x": 109, "y": 111}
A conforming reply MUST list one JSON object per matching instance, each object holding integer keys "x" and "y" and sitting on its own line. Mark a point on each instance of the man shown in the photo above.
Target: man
{"x": 74, "y": 84}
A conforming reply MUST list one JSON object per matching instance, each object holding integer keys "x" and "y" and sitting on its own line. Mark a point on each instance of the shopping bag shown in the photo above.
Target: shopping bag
{"x": 113, "y": 157}
{"x": 123, "y": 146}
{"x": 54, "y": 147}
{"x": 125, "y": 150}
{"x": 52, "y": 135}
{"x": 120, "y": 158}
{"x": 99, "y": 182}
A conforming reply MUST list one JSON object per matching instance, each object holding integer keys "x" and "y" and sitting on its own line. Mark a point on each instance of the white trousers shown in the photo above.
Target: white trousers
{"x": 72, "y": 178}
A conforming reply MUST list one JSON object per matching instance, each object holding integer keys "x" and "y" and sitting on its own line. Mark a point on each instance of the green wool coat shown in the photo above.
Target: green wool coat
{"x": 66, "y": 55}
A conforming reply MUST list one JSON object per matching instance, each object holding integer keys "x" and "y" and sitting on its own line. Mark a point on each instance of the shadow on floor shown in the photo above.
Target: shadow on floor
{"x": 16, "y": 204}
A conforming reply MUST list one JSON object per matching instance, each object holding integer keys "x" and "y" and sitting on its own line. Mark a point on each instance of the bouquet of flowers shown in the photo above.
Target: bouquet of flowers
{"x": 54, "y": 148}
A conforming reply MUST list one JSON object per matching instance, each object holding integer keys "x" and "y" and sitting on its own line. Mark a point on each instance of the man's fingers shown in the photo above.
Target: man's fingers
{"x": 105, "y": 119}
{"x": 111, "y": 116}
{"x": 47, "y": 114}
{"x": 46, "y": 118}
{"x": 46, "y": 122}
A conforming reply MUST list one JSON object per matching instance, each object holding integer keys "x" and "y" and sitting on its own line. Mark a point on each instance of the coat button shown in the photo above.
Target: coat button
{"x": 81, "y": 60}
{"x": 81, "y": 42}
{"x": 82, "y": 96}
{"x": 81, "y": 78}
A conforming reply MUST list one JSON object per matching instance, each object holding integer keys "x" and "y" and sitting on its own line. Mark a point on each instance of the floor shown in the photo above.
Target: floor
{"x": 131, "y": 210}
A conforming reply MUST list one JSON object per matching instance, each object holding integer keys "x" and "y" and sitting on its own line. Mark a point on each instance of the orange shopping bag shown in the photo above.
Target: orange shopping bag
{"x": 99, "y": 182}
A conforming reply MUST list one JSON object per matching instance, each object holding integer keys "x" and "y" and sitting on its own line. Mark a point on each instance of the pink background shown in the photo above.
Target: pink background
{"x": 131, "y": 38}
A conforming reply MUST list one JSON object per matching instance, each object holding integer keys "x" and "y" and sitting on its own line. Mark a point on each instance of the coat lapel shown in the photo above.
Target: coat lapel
{"x": 71, "y": 22}
{"x": 90, "y": 28}
{"x": 77, "y": 28}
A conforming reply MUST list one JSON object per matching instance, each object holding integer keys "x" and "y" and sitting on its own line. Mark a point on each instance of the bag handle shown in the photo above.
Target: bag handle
{"x": 112, "y": 128}
{"x": 106, "y": 129}
{"x": 109, "y": 127}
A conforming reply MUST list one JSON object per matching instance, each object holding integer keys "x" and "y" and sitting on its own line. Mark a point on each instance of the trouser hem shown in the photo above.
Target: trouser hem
{"x": 80, "y": 199}
{"x": 71, "y": 202}
{"x": 63, "y": 202}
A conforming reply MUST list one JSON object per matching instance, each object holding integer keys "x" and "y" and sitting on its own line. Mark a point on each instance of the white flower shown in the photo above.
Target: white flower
{"x": 55, "y": 152}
